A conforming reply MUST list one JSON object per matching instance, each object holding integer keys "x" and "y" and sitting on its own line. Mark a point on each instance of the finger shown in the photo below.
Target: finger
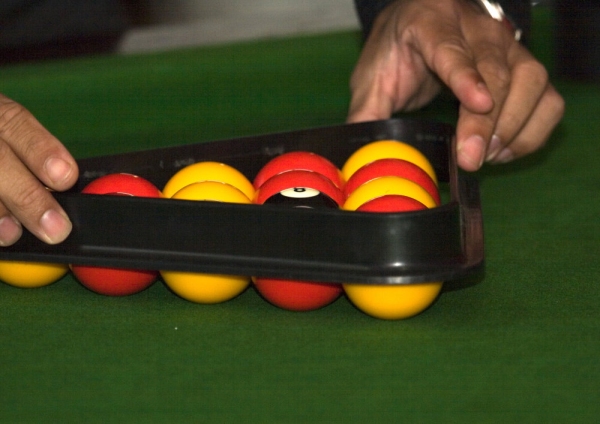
{"x": 538, "y": 128}
{"x": 10, "y": 228}
{"x": 529, "y": 82}
{"x": 373, "y": 79}
{"x": 29, "y": 201}
{"x": 391, "y": 74}
{"x": 41, "y": 152}
{"x": 28, "y": 154}
{"x": 473, "y": 132}
{"x": 448, "y": 56}
{"x": 476, "y": 130}
{"x": 369, "y": 102}
{"x": 457, "y": 68}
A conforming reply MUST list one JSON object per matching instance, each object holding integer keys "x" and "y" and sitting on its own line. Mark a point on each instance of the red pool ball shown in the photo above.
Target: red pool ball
{"x": 299, "y": 189}
{"x": 114, "y": 281}
{"x": 392, "y": 302}
{"x": 297, "y": 295}
{"x": 392, "y": 203}
{"x": 117, "y": 281}
{"x": 300, "y": 161}
{"x": 124, "y": 184}
{"x": 304, "y": 189}
{"x": 392, "y": 167}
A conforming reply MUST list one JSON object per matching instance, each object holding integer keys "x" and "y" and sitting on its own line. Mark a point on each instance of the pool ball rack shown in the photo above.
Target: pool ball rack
{"x": 440, "y": 244}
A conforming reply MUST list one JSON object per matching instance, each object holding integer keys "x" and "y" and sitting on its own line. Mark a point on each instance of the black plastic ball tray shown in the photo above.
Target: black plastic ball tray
{"x": 438, "y": 244}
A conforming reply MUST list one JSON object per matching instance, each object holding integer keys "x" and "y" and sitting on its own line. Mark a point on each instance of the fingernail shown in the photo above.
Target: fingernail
{"x": 57, "y": 169}
{"x": 472, "y": 150}
{"x": 10, "y": 230}
{"x": 505, "y": 155}
{"x": 55, "y": 226}
{"x": 493, "y": 148}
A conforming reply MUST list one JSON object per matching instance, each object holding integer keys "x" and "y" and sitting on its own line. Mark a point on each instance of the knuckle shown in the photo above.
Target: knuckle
{"x": 445, "y": 53}
{"x": 11, "y": 115}
{"x": 36, "y": 147}
{"x": 535, "y": 71}
{"x": 23, "y": 134}
{"x": 29, "y": 198}
{"x": 5, "y": 152}
{"x": 502, "y": 76}
{"x": 499, "y": 75}
{"x": 511, "y": 121}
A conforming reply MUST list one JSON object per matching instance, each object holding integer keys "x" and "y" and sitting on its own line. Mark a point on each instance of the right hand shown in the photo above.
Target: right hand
{"x": 508, "y": 107}
{"x": 31, "y": 161}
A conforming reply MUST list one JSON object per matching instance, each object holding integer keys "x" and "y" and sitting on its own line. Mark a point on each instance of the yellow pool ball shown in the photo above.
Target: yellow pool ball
{"x": 392, "y": 302}
{"x": 385, "y": 186}
{"x": 208, "y": 171}
{"x": 386, "y": 149}
{"x": 31, "y": 274}
{"x": 212, "y": 190}
{"x": 207, "y": 288}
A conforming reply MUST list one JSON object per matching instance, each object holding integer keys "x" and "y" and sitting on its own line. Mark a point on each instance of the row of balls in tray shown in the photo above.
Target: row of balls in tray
{"x": 382, "y": 176}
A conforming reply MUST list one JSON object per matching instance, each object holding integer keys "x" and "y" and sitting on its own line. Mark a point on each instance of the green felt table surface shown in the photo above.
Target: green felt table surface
{"x": 521, "y": 345}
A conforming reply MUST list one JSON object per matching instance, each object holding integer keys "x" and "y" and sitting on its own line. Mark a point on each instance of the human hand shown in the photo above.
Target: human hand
{"x": 31, "y": 159}
{"x": 508, "y": 108}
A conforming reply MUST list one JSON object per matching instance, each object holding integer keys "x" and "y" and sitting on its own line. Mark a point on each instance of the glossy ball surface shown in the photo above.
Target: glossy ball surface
{"x": 299, "y": 161}
{"x": 200, "y": 287}
{"x": 391, "y": 203}
{"x": 212, "y": 191}
{"x": 396, "y": 168}
{"x": 304, "y": 189}
{"x": 122, "y": 184}
{"x": 114, "y": 281}
{"x": 117, "y": 281}
{"x": 297, "y": 295}
{"x": 386, "y": 149}
{"x": 31, "y": 274}
{"x": 392, "y": 302}
{"x": 208, "y": 171}
{"x": 385, "y": 186}
{"x": 300, "y": 189}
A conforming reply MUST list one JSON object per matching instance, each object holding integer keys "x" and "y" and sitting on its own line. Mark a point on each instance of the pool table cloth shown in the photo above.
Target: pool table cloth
{"x": 518, "y": 344}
